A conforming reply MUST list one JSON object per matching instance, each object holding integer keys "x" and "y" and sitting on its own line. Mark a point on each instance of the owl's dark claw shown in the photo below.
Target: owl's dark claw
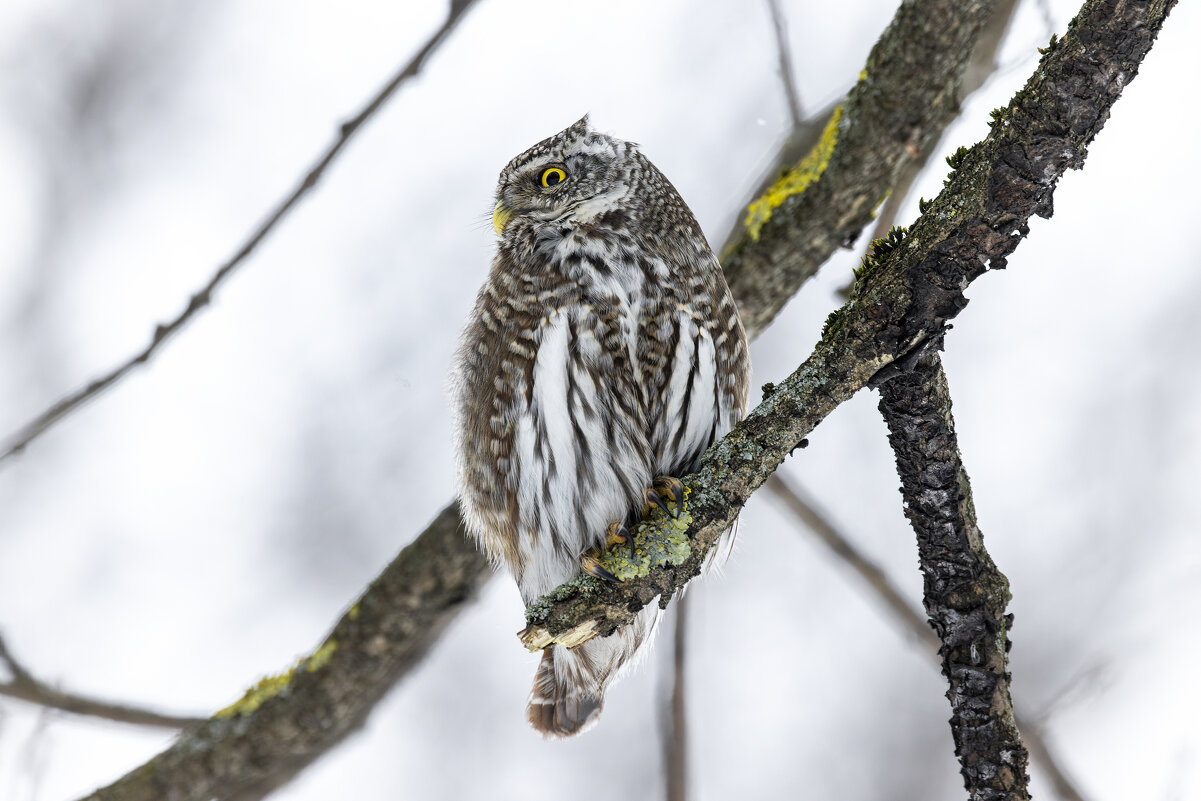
{"x": 619, "y": 533}
{"x": 664, "y": 486}
{"x": 590, "y": 564}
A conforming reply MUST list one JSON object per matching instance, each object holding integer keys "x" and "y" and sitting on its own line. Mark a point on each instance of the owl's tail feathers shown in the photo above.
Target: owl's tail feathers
{"x": 560, "y": 708}
{"x": 569, "y": 687}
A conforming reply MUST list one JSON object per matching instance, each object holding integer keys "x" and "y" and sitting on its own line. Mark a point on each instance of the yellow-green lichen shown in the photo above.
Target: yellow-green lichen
{"x": 252, "y": 699}
{"x": 658, "y": 540}
{"x": 796, "y": 180}
{"x": 353, "y": 614}
{"x": 271, "y": 686}
{"x": 321, "y": 656}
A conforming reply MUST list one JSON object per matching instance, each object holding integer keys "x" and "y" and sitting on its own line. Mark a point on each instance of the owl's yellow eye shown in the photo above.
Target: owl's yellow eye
{"x": 552, "y": 176}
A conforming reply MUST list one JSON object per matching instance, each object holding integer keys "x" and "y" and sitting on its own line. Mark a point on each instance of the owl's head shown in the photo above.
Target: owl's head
{"x": 576, "y": 174}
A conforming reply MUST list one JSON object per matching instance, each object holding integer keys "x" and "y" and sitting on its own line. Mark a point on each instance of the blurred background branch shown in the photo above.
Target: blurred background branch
{"x": 256, "y": 745}
{"x": 24, "y": 686}
{"x": 22, "y": 437}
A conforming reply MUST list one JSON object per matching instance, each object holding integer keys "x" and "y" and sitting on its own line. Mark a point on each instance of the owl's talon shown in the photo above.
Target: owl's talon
{"x": 663, "y": 486}
{"x": 618, "y": 533}
{"x": 651, "y": 501}
{"x": 590, "y": 564}
{"x": 672, "y": 486}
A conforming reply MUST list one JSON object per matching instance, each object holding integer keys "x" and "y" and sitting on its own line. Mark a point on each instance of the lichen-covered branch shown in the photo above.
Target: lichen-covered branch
{"x": 902, "y": 299}
{"x": 965, "y": 594}
{"x": 285, "y": 722}
{"x": 824, "y": 200}
{"x": 24, "y": 686}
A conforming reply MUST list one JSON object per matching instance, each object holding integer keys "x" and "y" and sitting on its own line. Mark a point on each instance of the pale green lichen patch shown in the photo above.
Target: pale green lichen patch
{"x": 658, "y": 540}
{"x": 271, "y": 686}
{"x": 796, "y": 180}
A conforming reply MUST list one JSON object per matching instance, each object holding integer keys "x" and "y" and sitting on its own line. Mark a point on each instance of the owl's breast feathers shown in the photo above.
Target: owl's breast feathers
{"x": 590, "y": 367}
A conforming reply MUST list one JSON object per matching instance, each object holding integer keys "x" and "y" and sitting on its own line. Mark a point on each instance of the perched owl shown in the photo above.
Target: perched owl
{"x": 604, "y": 355}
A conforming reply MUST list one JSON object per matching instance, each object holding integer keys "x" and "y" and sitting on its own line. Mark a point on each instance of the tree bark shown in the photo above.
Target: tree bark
{"x": 965, "y": 594}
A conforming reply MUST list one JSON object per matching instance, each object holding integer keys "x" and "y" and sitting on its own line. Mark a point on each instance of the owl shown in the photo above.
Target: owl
{"x": 603, "y": 356}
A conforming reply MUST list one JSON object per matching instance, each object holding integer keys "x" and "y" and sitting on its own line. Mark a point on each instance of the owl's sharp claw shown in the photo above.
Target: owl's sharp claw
{"x": 672, "y": 486}
{"x": 619, "y": 533}
{"x": 653, "y": 501}
{"x": 590, "y": 564}
{"x": 664, "y": 486}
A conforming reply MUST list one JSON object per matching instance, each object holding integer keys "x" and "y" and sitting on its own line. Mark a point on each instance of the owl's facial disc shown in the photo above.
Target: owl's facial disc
{"x": 570, "y": 177}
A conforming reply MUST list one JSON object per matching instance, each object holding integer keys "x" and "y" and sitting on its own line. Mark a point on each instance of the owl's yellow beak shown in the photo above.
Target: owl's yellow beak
{"x": 500, "y": 217}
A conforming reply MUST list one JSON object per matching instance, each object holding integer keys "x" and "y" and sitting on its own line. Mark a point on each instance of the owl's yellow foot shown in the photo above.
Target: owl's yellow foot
{"x": 590, "y": 564}
{"x": 617, "y": 535}
{"x": 662, "y": 489}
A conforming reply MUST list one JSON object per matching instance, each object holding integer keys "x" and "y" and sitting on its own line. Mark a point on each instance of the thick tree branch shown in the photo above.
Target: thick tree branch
{"x": 965, "y": 594}
{"x": 901, "y": 302}
{"x": 17, "y": 441}
{"x": 285, "y": 722}
{"x": 24, "y": 686}
{"x": 822, "y": 202}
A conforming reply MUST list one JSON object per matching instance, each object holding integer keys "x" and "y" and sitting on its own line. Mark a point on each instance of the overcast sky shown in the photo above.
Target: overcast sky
{"x": 204, "y": 523}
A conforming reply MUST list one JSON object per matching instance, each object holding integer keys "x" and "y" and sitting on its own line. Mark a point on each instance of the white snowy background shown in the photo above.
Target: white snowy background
{"x": 205, "y": 522}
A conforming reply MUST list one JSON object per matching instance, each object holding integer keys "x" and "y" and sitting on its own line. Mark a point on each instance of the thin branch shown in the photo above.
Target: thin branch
{"x": 24, "y": 686}
{"x": 795, "y": 500}
{"x": 17, "y": 441}
{"x": 674, "y": 723}
{"x": 784, "y": 53}
{"x": 897, "y": 304}
{"x": 965, "y": 593}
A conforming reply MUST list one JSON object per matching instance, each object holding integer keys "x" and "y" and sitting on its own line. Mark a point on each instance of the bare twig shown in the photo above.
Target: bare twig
{"x": 784, "y": 52}
{"x": 23, "y": 686}
{"x": 162, "y": 332}
{"x": 674, "y": 723}
{"x": 797, "y": 502}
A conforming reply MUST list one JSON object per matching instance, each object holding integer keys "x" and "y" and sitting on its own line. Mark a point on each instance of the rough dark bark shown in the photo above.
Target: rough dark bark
{"x": 965, "y": 594}
{"x": 286, "y": 722}
{"x": 901, "y": 302}
{"x": 885, "y": 122}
